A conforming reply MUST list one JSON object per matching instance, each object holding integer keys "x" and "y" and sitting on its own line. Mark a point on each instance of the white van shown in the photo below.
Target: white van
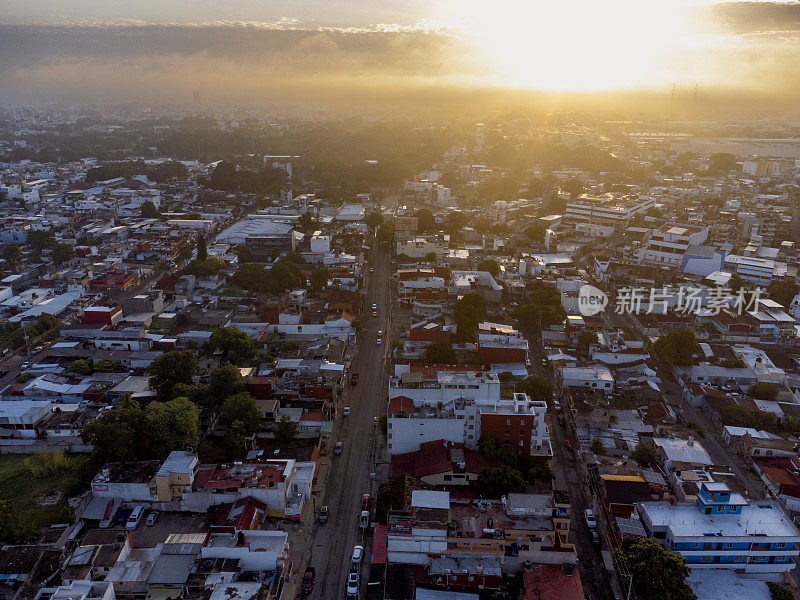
{"x": 136, "y": 516}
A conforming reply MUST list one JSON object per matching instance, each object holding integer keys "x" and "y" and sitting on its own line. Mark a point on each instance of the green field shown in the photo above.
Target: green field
{"x": 26, "y": 492}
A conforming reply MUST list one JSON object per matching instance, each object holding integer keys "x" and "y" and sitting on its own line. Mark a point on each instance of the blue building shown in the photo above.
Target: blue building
{"x": 723, "y": 530}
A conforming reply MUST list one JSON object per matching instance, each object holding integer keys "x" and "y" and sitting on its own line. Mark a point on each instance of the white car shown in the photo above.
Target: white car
{"x": 380, "y": 332}
{"x": 590, "y": 520}
{"x": 346, "y": 411}
{"x": 358, "y": 555}
{"x": 380, "y": 341}
{"x": 556, "y": 404}
{"x": 151, "y": 518}
{"x": 352, "y": 585}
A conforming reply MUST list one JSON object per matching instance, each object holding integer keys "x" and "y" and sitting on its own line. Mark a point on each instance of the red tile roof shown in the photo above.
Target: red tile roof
{"x": 550, "y": 582}
{"x": 400, "y": 404}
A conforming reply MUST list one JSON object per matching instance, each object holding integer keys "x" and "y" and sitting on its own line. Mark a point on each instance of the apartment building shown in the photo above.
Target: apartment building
{"x": 461, "y": 407}
{"x": 501, "y": 344}
{"x": 668, "y": 244}
{"x": 601, "y": 216}
{"x": 722, "y": 530}
{"x": 751, "y": 268}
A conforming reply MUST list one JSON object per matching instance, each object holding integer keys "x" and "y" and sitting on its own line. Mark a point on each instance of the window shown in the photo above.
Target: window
{"x": 448, "y": 478}
{"x": 521, "y": 443}
{"x": 706, "y": 559}
{"x": 508, "y": 421}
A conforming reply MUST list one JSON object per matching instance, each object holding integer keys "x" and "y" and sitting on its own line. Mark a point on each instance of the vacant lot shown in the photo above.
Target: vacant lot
{"x": 40, "y": 500}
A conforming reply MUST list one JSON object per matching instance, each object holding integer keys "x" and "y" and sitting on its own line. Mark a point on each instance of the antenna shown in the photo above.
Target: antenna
{"x": 674, "y": 85}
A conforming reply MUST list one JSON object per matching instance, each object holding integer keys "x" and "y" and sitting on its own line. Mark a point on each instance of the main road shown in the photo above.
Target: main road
{"x": 349, "y": 478}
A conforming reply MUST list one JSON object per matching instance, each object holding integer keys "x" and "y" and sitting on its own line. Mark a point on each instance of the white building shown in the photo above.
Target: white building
{"x": 667, "y": 245}
{"x": 595, "y": 377}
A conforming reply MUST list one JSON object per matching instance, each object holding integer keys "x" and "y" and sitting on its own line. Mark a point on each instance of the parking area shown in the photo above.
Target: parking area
{"x": 168, "y": 522}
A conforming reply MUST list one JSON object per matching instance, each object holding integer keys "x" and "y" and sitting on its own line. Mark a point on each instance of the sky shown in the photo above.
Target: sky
{"x": 255, "y": 50}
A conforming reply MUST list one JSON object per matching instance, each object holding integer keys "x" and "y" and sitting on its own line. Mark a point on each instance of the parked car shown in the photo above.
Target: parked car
{"x": 323, "y": 514}
{"x": 337, "y": 449}
{"x": 151, "y": 518}
{"x": 134, "y": 518}
{"x": 380, "y": 332}
{"x": 352, "y": 585}
{"x": 380, "y": 341}
{"x": 596, "y": 538}
{"x": 346, "y": 411}
{"x": 358, "y": 555}
{"x": 365, "y": 501}
{"x": 354, "y": 379}
{"x": 556, "y": 404}
{"x": 308, "y": 582}
{"x": 588, "y": 514}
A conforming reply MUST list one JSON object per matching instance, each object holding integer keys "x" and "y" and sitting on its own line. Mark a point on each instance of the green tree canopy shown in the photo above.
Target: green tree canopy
{"x": 374, "y": 219}
{"x": 149, "y": 210}
{"x": 678, "y": 347}
{"x": 241, "y": 407}
{"x": 489, "y": 265}
{"x": 285, "y": 430}
{"x": 539, "y": 390}
{"x": 200, "y": 244}
{"x": 598, "y": 447}
{"x": 170, "y": 368}
{"x": 225, "y": 381}
{"x": 763, "y": 390}
{"x": 385, "y": 233}
{"x": 233, "y": 343}
{"x": 13, "y": 528}
{"x": 468, "y": 311}
{"x": 425, "y": 219}
{"x": 536, "y": 232}
{"x": 319, "y": 278}
{"x": 500, "y": 481}
{"x": 440, "y": 352}
{"x": 13, "y": 256}
{"x": 783, "y": 291}
{"x": 657, "y": 573}
{"x": 172, "y": 425}
{"x": 645, "y": 455}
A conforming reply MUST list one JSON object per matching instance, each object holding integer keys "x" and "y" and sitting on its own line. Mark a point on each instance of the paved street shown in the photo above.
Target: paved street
{"x": 349, "y": 477}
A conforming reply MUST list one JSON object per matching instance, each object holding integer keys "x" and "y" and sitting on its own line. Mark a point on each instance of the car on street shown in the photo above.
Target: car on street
{"x": 352, "y": 585}
{"x": 544, "y": 362}
{"x": 371, "y": 270}
{"x": 358, "y": 555}
{"x": 323, "y": 514}
{"x": 365, "y": 501}
{"x": 380, "y": 332}
{"x": 337, "y": 449}
{"x": 596, "y": 538}
{"x": 354, "y": 379}
{"x": 151, "y": 518}
{"x": 588, "y": 514}
{"x": 308, "y": 582}
{"x": 380, "y": 341}
{"x": 346, "y": 411}
{"x": 556, "y": 404}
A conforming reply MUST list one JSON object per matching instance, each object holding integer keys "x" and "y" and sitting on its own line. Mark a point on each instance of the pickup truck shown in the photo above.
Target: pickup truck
{"x": 308, "y": 582}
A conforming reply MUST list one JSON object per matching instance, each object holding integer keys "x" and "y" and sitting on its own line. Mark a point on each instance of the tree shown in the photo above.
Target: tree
{"x": 454, "y": 222}
{"x": 38, "y": 240}
{"x": 172, "y": 425}
{"x": 657, "y": 573}
{"x": 82, "y": 366}
{"x": 374, "y": 219}
{"x": 536, "y": 232}
{"x": 307, "y": 222}
{"x": 232, "y": 342}
{"x": 385, "y": 233}
{"x": 285, "y": 430}
{"x": 505, "y": 377}
{"x": 250, "y": 276}
{"x": 430, "y": 257}
{"x": 586, "y": 338}
{"x": 117, "y": 434}
{"x": 62, "y": 253}
{"x": 425, "y": 219}
{"x": 236, "y": 437}
{"x": 243, "y": 253}
{"x": 241, "y": 407}
{"x": 534, "y": 314}
{"x": 202, "y": 251}
{"x": 441, "y": 353}
{"x": 13, "y": 528}
{"x": 721, "y": 162}
{"x": 539, "y": 390}
{"x": 598, "y": 447}
{"x": 490, "y": 266}
{"x": 778, "y": 592}
{"x": 736, "y": 283}
{"x": 12, "y": 255}
{"x": 505, "y": 453}
{"x": 500, "y": 481}
{"x": 678, "y": 347}
{"x": 783, "y": 291}
{"x": 468, "y": 311}
{"x": 223, "y": 382}
{"x": 741, "y": 416}
{"x": 573, "y": 187}
{"x": 645, "y": 455}
{"x": 149, "y": 211}
{"x": 183, "y": 319}
{"x": 319, "y": 278}
{"x": 224, "y": 176}
{"x": 763, "y": 390}
{"x": 170, "y": 368}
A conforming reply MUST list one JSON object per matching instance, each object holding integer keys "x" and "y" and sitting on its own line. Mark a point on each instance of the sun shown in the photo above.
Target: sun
{"x": 577, "y": 45}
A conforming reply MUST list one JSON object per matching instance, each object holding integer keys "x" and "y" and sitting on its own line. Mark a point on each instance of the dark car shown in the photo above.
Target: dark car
{"x": 308, "y": 582}
{"x": 323, "y": 514}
